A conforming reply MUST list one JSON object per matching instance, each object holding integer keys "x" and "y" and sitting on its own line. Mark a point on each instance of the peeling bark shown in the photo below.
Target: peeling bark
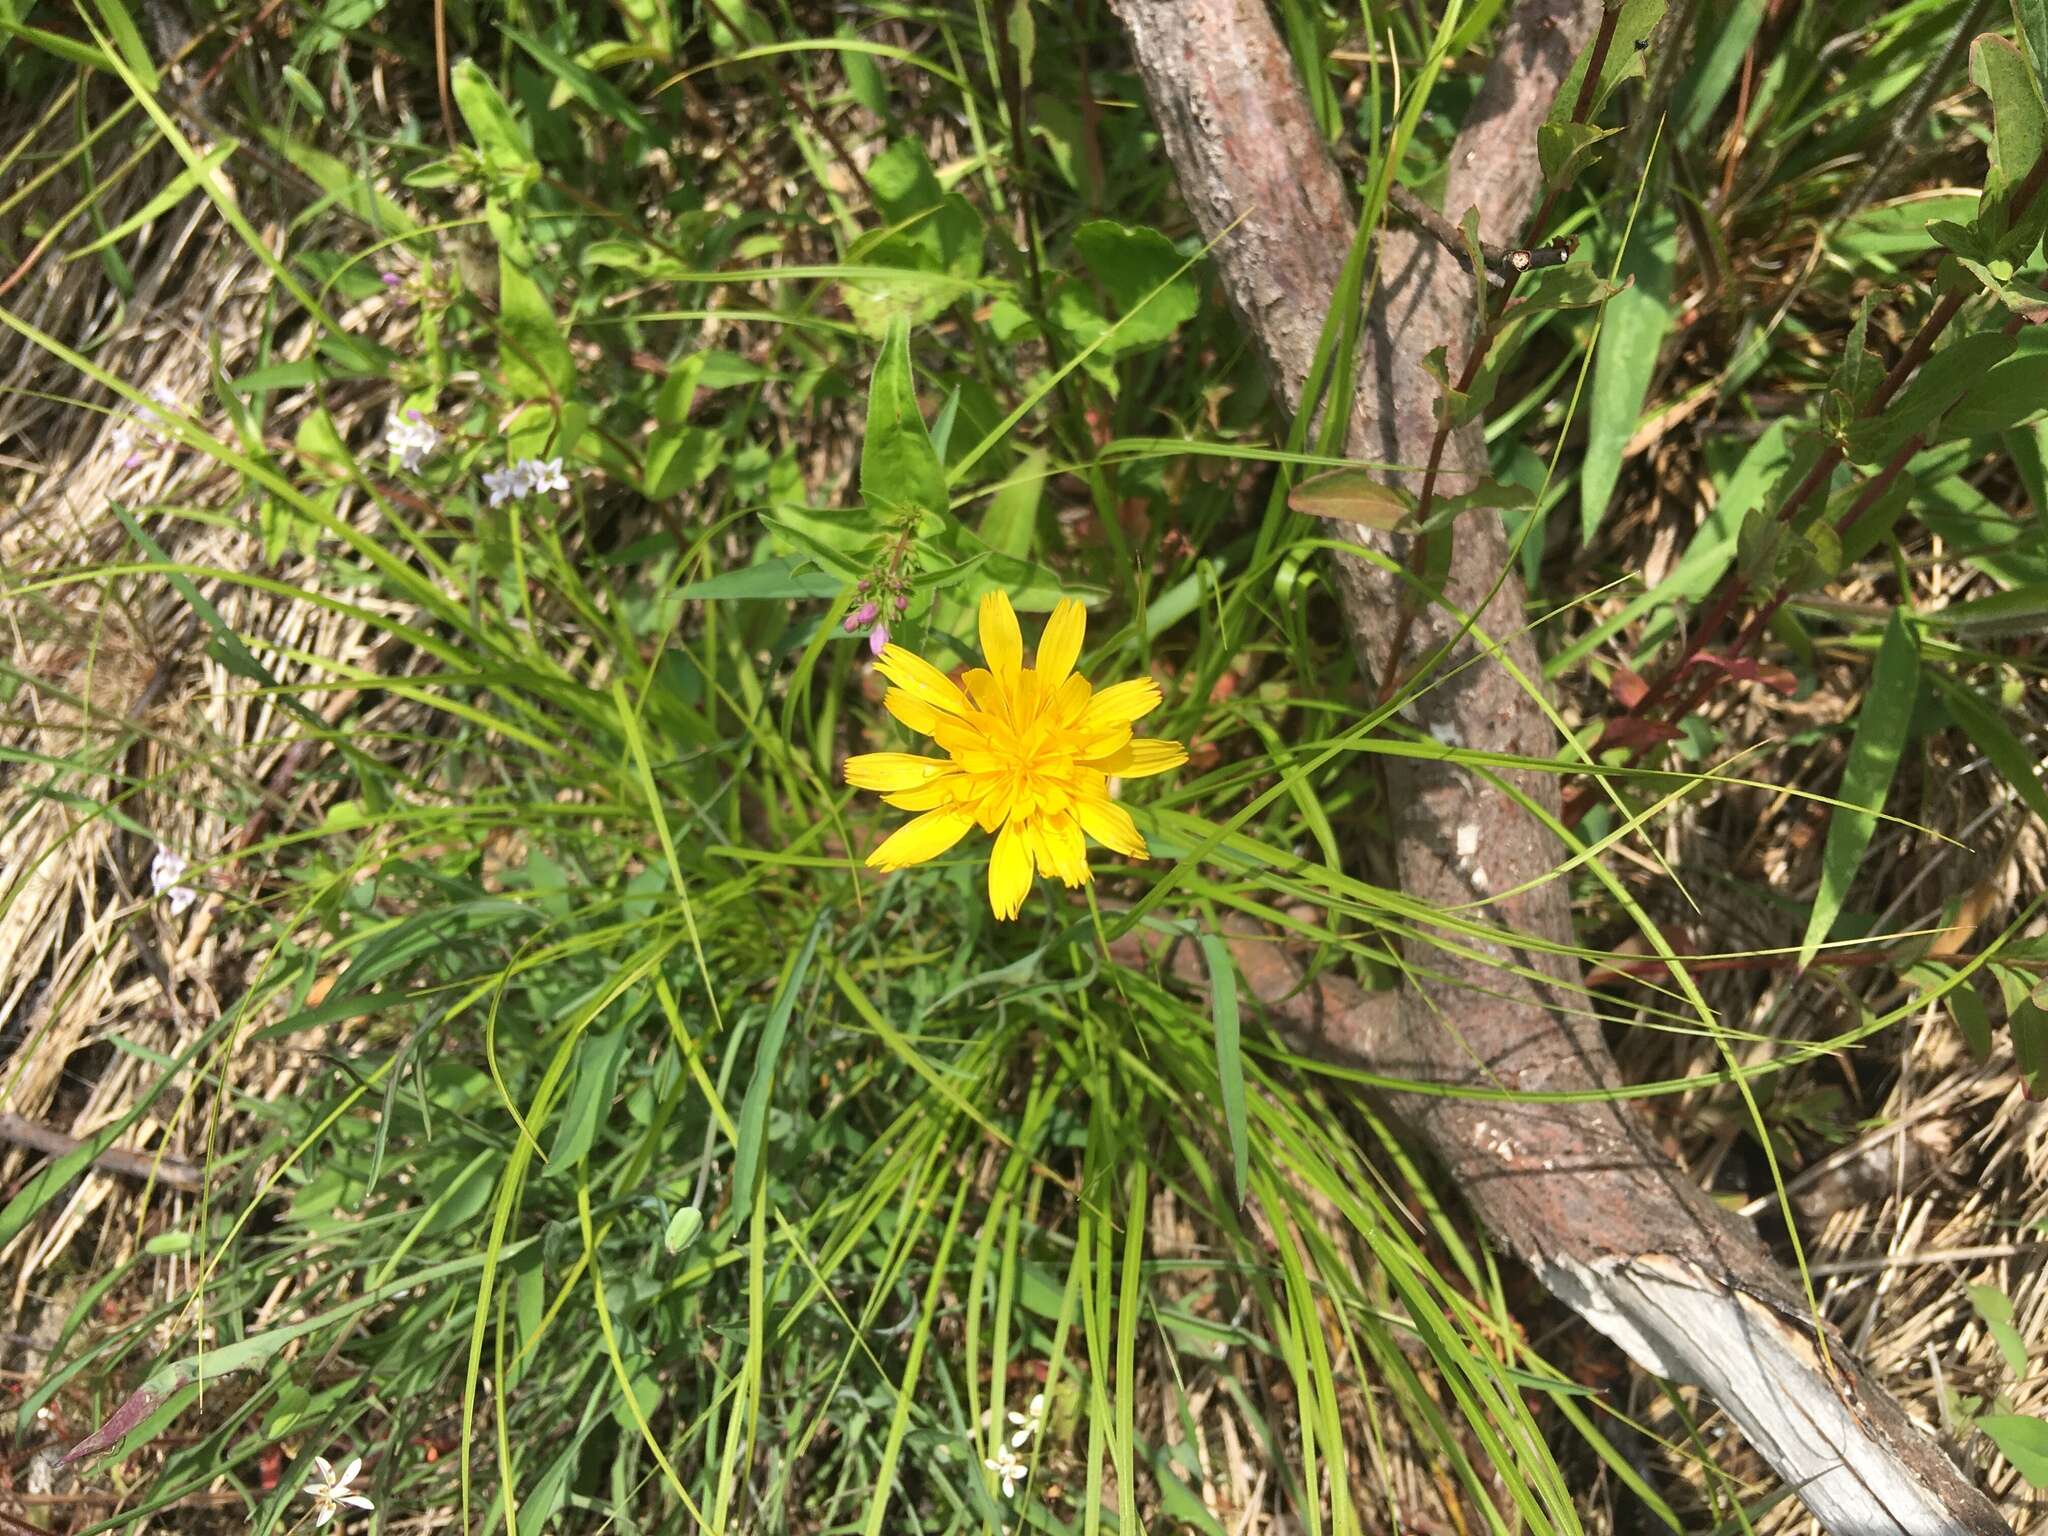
{"x": 1577, "y": 1190}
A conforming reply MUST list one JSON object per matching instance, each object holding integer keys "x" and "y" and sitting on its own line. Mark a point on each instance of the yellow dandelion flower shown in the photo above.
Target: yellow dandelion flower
{"x": 1029, "y": 755}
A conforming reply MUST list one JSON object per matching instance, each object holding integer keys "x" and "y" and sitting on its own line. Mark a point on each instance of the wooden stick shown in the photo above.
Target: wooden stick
{"x": 148, "y": 1166}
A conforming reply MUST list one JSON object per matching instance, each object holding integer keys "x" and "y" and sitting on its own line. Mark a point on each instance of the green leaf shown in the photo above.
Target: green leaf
{"x": 679, "y": 459}
{"x": 1141, "y": 274}
{"x": 1995, "y": 1308}
{"x": 1356, "y": 496}
{"x": 2032, "y": 18}
{"x": 1565, "y": 149}
{"x": 2019, "y": 125}
{"x": 903, "y": 182}
{"x": 1623, "y": 59}
{"x": 1229, "y": 1058}
{"x": 127, "y": 40}
{"x": 2010, "y": 392}
{"x": 753, "y": 1123}
{"x": 2027, "y": 1021}
{"x": 1972, "y": 1018}
{"x": 535, "y": 359}
{"x": 777, "y": 578}
{"x": 498, "y": 133}
{"x": 590, "y": 1098}
{"x": 1874, "y": 751}
{"x": 2023, "y": 1441}
{"x": 1941, "y": 381}
{"x": 1986, "y": 728}
{"x": 1632, "y": 331}
{"x": 899, "y": 468}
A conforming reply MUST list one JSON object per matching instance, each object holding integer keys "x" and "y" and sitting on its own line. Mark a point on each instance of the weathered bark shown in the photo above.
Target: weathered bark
{"x": 1577, "y": 1190}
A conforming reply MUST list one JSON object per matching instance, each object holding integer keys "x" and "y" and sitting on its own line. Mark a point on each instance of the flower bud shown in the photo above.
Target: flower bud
{"x": 863, "y": 616}
{"x": 878, "y": 639}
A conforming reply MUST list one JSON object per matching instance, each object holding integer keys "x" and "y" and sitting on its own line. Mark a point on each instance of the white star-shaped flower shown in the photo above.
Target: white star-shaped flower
{"x": 329, "y": 1493}
{"x": 411, "y": 438}
{"x": 545, "y": 474}
{"x": 1030, "y": 1421}
{"x": 1007, "y": 1468}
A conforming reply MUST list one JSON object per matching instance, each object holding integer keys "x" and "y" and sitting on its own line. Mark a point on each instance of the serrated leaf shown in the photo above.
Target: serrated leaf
{"x": 1874, "y": 751}
{"x": 1355, "y": 496}
{"x": 899, "y": 468}
{"x": 1139, "y": 272}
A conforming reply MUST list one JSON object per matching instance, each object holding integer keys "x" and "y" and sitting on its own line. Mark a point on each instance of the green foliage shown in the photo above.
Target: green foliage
{"x": 655, "y": 1161}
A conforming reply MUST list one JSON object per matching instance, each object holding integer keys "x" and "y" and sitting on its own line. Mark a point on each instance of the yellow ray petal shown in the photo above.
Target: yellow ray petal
{"x": 1111, "y": 825}
{"x": 1141, "y": 757}
{"x": 1002, "y": 642}
{"x": 921, "y": 838}
{"x": 954, "y": 789}
{"x": 1069, "y": 849}
{"x": 1071, "y": 701}
{"x": 913, "y": 711}
{"x": 922, "y": 680}
{"x": 891, "y": 771}
{"x": 1059, "y": 646}
{"x": 1009, "y": 873}
{"x": 1120, "y": 704}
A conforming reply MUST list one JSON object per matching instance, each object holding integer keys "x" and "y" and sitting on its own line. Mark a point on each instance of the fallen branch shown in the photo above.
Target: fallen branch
{"x": 1578, "y": 1190}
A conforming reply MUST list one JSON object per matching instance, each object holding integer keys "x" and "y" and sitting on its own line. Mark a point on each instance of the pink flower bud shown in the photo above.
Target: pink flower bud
{"x": 850, "y": 623}
{"x": 903, "y": 602}
{"x": 878, "y": 639}
{"x": 864, "y": 615}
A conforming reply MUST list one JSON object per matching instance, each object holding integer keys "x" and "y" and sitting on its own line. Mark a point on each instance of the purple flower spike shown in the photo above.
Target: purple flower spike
{"x": 878, "y": 639}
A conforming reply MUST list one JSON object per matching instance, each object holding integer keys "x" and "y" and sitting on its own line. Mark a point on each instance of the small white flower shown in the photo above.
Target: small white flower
{"x": 329, "y": 1493}
{"x": 1030, "y": 1421}
{"x": 411, "y": 438}
{"x": 167, "y": 878}
{"x": 545, "y": 475}
{"x": 1007, "y": 1468}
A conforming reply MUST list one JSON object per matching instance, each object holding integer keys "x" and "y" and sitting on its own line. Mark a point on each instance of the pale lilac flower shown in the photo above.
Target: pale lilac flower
{"x": 878, "y": 640}
{"x": 167, "y": 878}
{"x": 412, "y": 439}
{"x": 1007, "y": 1468}
{"x": 122, "y": 441}
{"x": 506, "y": 484}
{"x": 329, "y": 1493}
{"x": 545, "y": 475}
